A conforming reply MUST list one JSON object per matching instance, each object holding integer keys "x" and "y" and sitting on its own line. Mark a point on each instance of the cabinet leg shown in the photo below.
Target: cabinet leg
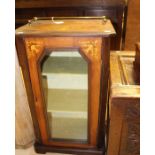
{"x": 39, "y": 149}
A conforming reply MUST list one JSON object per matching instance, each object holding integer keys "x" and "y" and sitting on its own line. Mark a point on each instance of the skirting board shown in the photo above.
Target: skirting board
{"x": 39, "y": 148}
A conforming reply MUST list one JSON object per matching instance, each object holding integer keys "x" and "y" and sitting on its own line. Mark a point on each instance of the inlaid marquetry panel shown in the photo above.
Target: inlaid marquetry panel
{"x": 91, "y": 47}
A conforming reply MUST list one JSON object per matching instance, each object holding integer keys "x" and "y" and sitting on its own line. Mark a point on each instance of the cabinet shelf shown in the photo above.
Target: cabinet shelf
{"x": 64, "y": 100}
{"x": 73, "y": 65}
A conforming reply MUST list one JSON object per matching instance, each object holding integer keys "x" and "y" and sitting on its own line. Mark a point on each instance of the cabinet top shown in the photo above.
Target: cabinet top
{"x": 90, "y": 26}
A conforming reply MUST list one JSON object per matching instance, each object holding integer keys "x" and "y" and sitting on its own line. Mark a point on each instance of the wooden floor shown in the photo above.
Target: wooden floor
{"x": 30, "y": 151}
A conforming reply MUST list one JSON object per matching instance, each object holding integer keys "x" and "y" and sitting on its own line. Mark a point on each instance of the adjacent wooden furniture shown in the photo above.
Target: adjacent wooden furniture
{"x": 65, "y": 63}
{"x": 124, "y": 128}
{"x": 24, "y": 126}
{"x": 132, "y": 25}
{"x": 115, "y": 10}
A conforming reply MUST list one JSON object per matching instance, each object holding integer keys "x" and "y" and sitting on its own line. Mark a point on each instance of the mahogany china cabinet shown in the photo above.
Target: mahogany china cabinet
{"x": 65, "y": 66}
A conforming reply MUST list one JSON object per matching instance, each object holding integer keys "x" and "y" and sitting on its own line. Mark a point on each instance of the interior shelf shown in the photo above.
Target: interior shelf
{"x": 64, "y": 100}
{"x": 65, "y": 64}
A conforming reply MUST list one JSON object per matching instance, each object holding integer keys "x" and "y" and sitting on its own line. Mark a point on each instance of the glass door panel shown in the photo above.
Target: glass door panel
{"x": 65, "y": 87}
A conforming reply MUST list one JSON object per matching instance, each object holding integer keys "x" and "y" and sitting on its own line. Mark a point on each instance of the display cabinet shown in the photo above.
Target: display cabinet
{"x": 65, "y": 65}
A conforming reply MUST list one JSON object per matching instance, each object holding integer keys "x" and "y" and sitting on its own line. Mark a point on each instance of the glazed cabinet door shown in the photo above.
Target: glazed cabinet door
{"x": 65, "y": 75}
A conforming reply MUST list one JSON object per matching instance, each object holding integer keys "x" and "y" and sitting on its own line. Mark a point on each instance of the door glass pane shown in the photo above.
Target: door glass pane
{"x": 65, "y": 86}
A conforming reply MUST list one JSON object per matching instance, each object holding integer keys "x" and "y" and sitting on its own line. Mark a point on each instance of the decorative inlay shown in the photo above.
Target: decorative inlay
{"x": 33, "y": 48}
{"x": 90, "y": 48}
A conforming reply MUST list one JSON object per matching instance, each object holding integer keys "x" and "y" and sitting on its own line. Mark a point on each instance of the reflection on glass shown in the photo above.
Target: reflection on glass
{"x": 65, "y": 86}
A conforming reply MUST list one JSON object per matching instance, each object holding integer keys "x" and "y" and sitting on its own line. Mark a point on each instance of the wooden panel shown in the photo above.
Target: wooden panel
{"x": 24, "y": 128}
{"x": 130, "y": 139}
{"x": 133, "y": 25}
{"x": 124, "y": 138}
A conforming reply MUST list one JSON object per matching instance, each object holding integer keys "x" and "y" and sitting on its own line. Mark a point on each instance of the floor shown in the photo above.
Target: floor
{"x": 30, "y": 151}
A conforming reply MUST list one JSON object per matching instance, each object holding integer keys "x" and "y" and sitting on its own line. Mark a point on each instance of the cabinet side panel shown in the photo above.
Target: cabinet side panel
{"x": 103, "y": 90}
{"x": 24, "y": 66}
{"x": 124, "y": 138}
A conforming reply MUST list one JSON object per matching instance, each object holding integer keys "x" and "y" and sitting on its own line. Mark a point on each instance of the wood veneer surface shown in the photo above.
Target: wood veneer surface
{"x": 133, "y": 24}
{"x": 78, "y": 27}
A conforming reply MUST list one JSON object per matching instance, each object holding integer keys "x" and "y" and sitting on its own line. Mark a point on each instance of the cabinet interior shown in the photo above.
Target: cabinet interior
{"x": 65, "y": 87}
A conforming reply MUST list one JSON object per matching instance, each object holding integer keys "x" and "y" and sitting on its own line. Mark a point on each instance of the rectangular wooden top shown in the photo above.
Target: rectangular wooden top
{"x": 67, "y": 27}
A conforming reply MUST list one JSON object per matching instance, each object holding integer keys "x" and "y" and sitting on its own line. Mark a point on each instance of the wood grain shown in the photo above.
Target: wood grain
{"x": 133, "y": 25}
{"x": 68, "y": 27}
{"x": 124, "y": 131}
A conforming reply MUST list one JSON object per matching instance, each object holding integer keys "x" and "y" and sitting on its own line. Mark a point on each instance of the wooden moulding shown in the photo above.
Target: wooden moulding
{"x": 39, "y": 148}
{"x": 124, "y": 131}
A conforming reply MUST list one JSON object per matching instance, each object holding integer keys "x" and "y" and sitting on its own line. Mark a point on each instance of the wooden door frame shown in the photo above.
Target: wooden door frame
{"x": 91, "y": 46}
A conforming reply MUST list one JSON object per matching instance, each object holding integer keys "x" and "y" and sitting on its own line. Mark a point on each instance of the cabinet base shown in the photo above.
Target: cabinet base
{"x": 39, "y": 148}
